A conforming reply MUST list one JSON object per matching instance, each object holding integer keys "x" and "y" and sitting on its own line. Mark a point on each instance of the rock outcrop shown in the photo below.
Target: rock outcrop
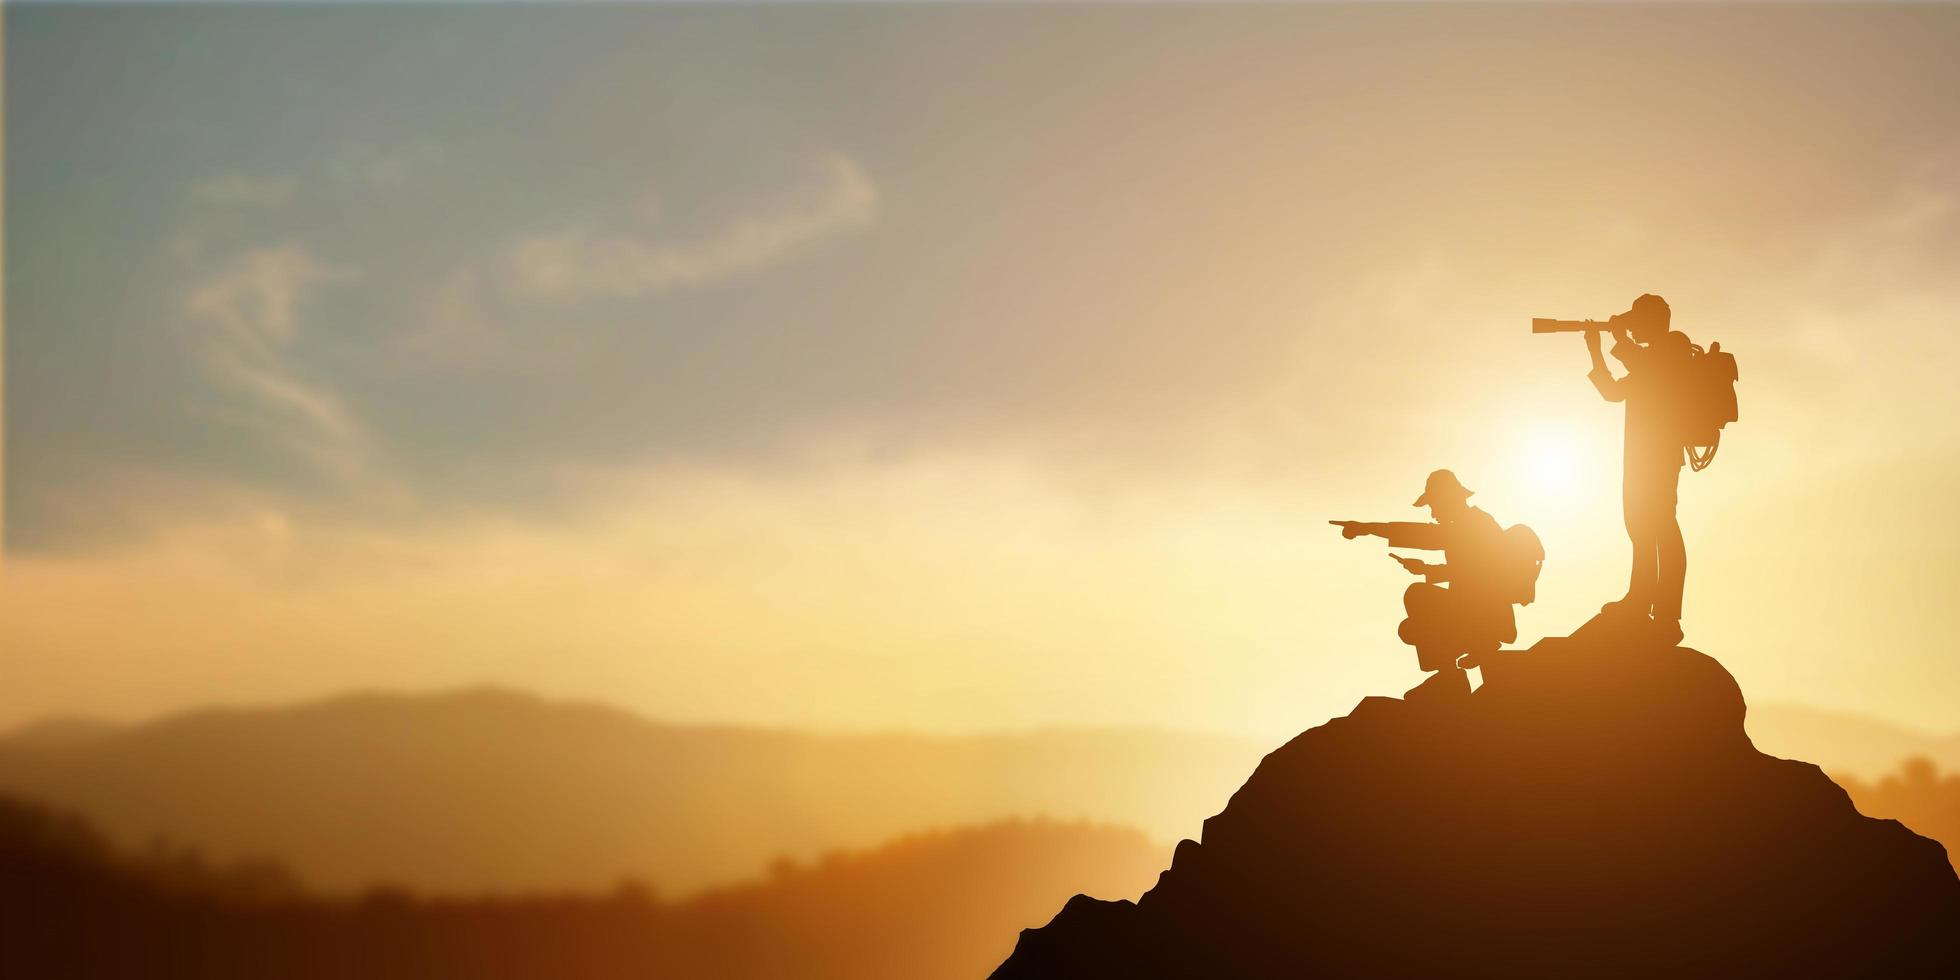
{"x": 1595, "y": 809}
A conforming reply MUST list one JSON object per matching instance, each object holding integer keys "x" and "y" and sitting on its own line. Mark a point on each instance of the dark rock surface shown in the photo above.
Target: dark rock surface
{"x": 1595, "y": 809}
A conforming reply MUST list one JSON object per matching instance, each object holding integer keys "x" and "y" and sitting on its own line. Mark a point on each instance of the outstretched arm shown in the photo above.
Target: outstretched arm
{"x": 1401, "y": 534}
{"x": 1412, "y": 534}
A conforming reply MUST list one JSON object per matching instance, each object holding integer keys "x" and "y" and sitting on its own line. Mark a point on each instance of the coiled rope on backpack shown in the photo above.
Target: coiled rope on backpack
{"x": 1700, "y": 456}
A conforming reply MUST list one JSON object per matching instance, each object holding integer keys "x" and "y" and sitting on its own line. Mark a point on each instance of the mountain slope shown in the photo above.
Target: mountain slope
{"x": 489, "y": 790}
{"x": 1595, "y": 809}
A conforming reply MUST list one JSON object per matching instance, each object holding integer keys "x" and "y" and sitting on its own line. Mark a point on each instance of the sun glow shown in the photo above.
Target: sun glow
{"x": 1553, "y": 468}
{"x": 1557, "y": 469}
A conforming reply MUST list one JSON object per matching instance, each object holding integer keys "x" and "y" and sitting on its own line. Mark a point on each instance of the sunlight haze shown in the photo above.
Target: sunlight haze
{"x": 957, "y": 368}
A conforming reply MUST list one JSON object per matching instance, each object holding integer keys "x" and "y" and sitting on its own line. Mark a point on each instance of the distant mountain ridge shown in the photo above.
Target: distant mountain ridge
{"x": 1837, "y": 741}
{"x": 64, "y": 730}
{"x": 1844, "y": 743}
{"x": 491, "y": 790}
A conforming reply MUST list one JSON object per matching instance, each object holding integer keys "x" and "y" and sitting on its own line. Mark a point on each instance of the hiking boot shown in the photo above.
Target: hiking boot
{"x": 1668, "y": 632}
{"x": 1447, "y": 684}
{"x": 1627, "y": 608}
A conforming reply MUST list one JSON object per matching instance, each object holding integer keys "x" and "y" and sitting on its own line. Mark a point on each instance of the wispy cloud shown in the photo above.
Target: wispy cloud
{"x": 248, "y": 312}
{"x": 580, "y": 263}
{"x": 250, "y": 325}
{"x": 381, "y": 166}
{"x": 357, "y": 165}
{"x": 460, "y": 327}
{"x": 245, "y": 191}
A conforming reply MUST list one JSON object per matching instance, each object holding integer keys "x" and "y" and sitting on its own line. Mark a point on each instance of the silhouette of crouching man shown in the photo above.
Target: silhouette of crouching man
{"x": 1452, "y": 628}
{"x": 1460, "y": 613}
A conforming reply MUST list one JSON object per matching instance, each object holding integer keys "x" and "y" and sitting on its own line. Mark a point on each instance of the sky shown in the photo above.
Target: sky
{"x": 949, "y": 367}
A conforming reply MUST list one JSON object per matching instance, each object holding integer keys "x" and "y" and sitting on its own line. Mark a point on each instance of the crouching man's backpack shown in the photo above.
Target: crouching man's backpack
{"x": 1523, "y": 556}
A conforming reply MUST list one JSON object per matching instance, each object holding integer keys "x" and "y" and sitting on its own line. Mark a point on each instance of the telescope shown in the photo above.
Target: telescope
{"x": 1547, "y": 325}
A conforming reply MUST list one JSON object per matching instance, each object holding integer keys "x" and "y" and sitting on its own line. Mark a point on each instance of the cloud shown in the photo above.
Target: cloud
{"x": 381, "y": 166}
{"x": 582, "y": 263}
{"x": 243, "y": 191}
{"x": 358, "y": 165}
{"x": 246, "y": 317}
{"x": 459, "y": 328}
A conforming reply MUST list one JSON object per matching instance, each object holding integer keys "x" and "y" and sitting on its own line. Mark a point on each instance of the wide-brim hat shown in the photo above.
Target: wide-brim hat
{"x": 1442, "y": 484}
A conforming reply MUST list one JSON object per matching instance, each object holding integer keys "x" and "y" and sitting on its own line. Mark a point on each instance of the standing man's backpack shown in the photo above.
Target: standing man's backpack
{"x": 1707, "y": 402}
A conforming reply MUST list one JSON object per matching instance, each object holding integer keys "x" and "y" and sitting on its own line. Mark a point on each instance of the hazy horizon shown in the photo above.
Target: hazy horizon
{"x": 1790, "y": 710}
{"x": 360, "y": 789}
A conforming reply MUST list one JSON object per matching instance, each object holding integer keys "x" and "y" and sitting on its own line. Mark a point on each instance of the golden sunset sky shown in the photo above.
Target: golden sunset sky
{"x": 949, "y": 367}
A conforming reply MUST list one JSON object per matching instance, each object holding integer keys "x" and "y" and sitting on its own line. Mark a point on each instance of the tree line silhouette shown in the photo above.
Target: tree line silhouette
{"x": 937, "y": 904}
{"x": 1917, "y": 795}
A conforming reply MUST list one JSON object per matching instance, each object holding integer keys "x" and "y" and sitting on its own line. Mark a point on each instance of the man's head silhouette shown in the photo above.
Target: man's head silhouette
{"x": 1444, "y": 495}
{"x": 1648, "y": 318}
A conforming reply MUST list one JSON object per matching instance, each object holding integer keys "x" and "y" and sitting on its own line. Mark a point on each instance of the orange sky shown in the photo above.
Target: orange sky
{"x": 949, "y": 368}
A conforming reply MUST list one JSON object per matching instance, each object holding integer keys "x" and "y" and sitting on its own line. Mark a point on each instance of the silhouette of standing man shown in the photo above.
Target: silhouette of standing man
{"x": 1657, "y": 363}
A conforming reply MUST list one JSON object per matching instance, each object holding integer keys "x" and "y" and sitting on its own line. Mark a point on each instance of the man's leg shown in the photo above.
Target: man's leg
{"x": 1448, "y": 682}
{"x": 1636, "y": 496}
{"x": 1671, "y": 552}
{"x": 1431, "y": 628}
{"x": 1478, "y": 653}
{"x": 1456, "y": 624}
{"x": 1423, "y": 629}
